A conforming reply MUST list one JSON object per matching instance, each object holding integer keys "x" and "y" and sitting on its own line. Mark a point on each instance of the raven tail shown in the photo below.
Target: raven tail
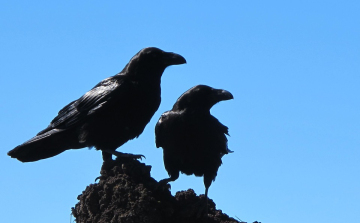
{"x": 48, "y": 144}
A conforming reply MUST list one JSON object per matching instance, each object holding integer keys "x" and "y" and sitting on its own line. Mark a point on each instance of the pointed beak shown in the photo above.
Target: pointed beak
{"x": 222, "y": 95}
{"x": 173, "y": 59}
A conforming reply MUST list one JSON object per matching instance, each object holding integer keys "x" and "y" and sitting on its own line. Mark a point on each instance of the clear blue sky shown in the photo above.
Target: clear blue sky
{"x": 293, "y": 68}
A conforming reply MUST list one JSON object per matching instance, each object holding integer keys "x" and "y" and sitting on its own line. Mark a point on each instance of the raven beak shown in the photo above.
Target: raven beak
{"x": 173, "y": 59}
{"x": 222, "y": 95}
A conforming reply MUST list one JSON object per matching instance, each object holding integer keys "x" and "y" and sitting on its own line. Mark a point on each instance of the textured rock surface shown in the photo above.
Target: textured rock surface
{"x": 127, "y": 193}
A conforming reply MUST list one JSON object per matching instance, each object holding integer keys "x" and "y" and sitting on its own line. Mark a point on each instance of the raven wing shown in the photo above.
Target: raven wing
{"x": 91, "y": 102}
{"x": 181, "y": 128}
{"x": 217, "y": 133}
{"x": 163, "y": 128}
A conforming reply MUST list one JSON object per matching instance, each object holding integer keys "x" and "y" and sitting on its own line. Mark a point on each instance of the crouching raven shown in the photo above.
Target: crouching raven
{"x": 116, "y": 110}
{"x": 193, "y": 140}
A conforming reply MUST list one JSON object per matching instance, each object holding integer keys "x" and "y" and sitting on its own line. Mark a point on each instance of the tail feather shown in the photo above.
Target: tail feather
{"x": 46, "y": 145}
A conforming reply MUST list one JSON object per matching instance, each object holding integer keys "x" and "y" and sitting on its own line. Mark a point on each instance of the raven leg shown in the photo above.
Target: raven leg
{"x": 206, "y": 200}
{"x": 106, "y": 156}
{"x": 119, "y": 154}
{"x": 207, "y": 182}
{"x": 164, "y": 182}
{"x": 108, "y": 163}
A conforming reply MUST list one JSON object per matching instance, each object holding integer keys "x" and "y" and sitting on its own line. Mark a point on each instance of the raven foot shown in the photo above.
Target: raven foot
{"x": 125, "y": 155}
{"x": 163, "y": 185}
{"x": 99, "y": 178}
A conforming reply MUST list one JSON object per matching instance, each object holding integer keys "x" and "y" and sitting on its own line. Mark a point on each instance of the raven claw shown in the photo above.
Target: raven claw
{"x": 137, "y": 156}
{"x": 163, "y": 184}
{"x": 125, "y": 155}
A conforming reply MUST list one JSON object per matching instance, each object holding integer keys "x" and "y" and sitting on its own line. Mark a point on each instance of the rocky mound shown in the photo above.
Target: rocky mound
{"x": 127, "y": 193}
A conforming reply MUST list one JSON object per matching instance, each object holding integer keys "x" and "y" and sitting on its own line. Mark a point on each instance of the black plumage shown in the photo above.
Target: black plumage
{"x": 193, "y": 140}
{"x": 116, "y": 110}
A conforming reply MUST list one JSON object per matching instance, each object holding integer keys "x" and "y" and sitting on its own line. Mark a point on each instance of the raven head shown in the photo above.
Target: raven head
{"x": 153, "y": 60}
{"x": 201, "y": 97}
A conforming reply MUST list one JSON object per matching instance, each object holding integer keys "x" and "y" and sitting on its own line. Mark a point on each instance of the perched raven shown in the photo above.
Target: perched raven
{"x": 193, "y": 140}
{"x": 116, "y": 110}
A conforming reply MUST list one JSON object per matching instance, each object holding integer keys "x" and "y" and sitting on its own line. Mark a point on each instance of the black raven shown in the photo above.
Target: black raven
{"x": 193, "y": 140}
{"x": 116, "y": 110}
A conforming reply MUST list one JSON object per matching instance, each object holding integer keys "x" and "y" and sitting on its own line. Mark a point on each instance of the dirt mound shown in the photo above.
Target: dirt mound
{"x": 127, "y": 193}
